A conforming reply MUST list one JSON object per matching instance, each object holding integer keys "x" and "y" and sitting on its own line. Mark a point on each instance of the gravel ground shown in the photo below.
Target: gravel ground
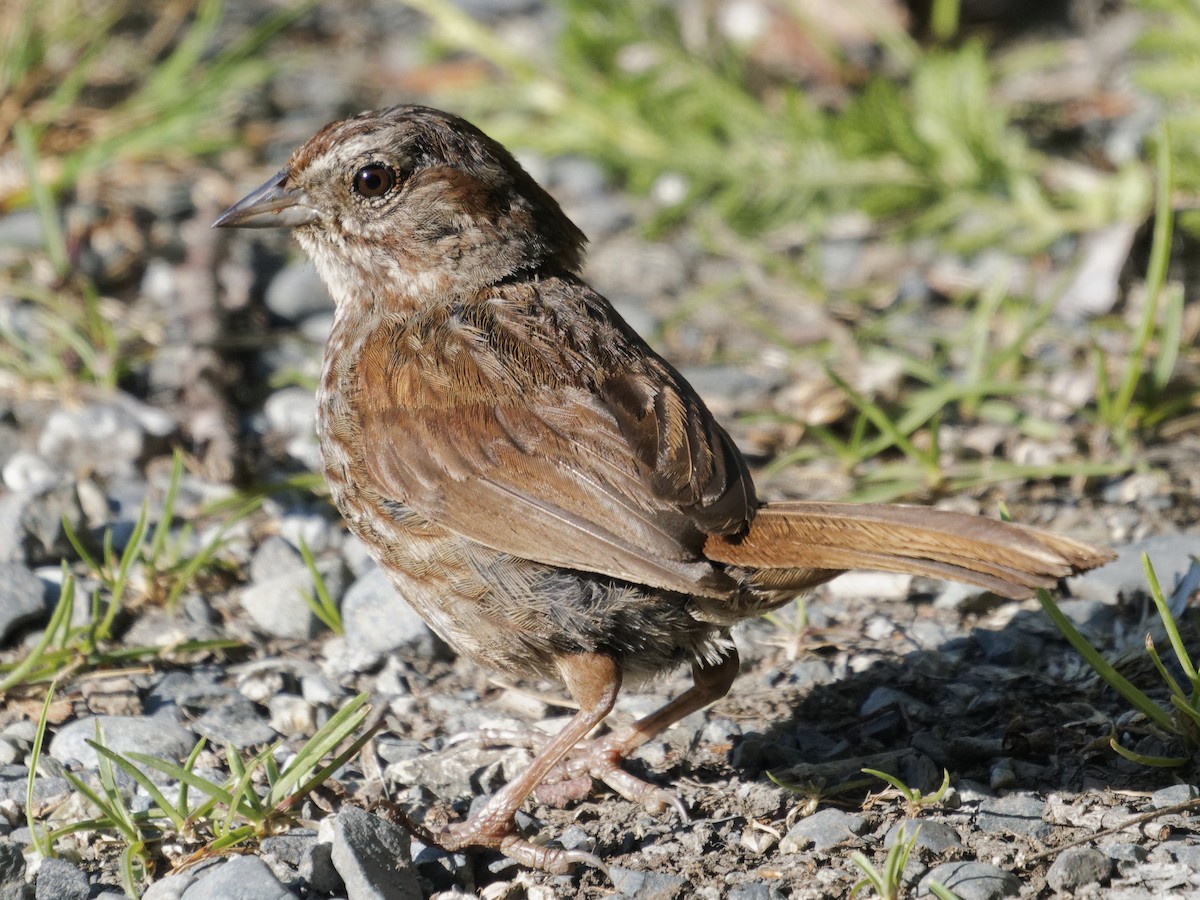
{"x": 908, "y": 676}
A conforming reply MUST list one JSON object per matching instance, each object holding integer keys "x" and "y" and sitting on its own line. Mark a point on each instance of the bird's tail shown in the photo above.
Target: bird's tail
{"x": 796, "y": 545}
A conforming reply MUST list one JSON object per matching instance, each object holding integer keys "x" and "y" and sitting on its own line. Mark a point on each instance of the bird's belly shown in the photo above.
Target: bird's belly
{"x": 516, "y": 615}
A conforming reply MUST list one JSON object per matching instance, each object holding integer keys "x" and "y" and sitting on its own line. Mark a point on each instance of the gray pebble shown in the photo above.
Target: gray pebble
{"x": 823, "y": 829}
{"x": 646, "y": 885}
{"x": 1173, "y": 795}
{"x": 292, "y": 715}
{"x": 235, "y": 721}
{"x": 1185, "y": 853}
{"x": 756, "y": 891}
{"x": 291, "y": 847}
{"x": 31, "y": 524}
{"x": 58, "y": 879}
{"x": 291, "y": 413}
{"x": 275, "y": 598}
{"x": 296, "y": 292}
{"x": 372, "y": 856}
{"x": 932, "y": 835}
{"x": 1078, "y": 867}
{"x": 238, "y": 878}
{"x": 973, "y": 880}
{"x": 1014, "y": 814}
{"x": 378, "y": 621}
{"x": 157, "y": 737}
{"x": 318, "y": 871}
{"x": 105, "y": 438}
{"x": 28, "y": 471}
{"x": 22, "y": 598}
{"x": 12, "y": 872}
{"x": 10, "y": 753}
{"x": 173, "y": 887}
{"x": 1170, "y": 554}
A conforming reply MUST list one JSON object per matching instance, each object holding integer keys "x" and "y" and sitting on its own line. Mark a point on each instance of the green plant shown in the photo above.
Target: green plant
{"x": 165, "y": 568}
{"x": 230, "y": 813}
{"x": 914, "y": 799}
{"x": 1181, "y": 718}
{"x": 923, "y": 143}
{"x": 1137, "y": 400}
{"x": 322, "y": 604}
{"x": 886, "y": 883}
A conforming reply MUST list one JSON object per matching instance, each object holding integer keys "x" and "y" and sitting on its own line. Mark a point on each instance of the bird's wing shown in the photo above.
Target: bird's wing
{"x": 565, "y": 442}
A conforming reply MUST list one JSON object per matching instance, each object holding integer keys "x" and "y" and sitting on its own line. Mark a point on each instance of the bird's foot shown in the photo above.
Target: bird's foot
{"x": 594, "y": 760}
{"x": 495, "y": 829}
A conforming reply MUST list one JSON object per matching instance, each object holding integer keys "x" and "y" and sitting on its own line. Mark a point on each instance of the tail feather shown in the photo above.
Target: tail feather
{"x": 799, "y": 544}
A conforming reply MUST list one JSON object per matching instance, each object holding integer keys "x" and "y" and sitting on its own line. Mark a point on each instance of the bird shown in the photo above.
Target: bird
{"x": 547, "y": 491}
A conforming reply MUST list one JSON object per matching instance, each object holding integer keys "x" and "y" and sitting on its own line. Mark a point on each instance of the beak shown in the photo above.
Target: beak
{"x": 274, "y": 205}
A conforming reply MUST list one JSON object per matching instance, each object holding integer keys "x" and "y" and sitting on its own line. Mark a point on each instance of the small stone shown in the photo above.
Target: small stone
{"x": 154, "y": 736}
{"x": 101, "y": 438}
{"x": 1173, "y": 795}
{"x": 1078, "y": 867}
{"x": 28, "y": 471}
{"x": 932, "y": 835}
{"x": 12, "y": 872}
{"x": 1014, "y": 814}
{"x": 291, "y": 415}
{"x": 238, "y": 878}
{"x": 646, "y": 885}
{"x": 823, "y": 829}
{"x": 235, "y": 721}
{"x": 275, "y": 599}
{"x": 372, "y": 856}
{"x": 22, "y": 598}
{"x": 378, "y": 621}
{"x": 292, "y": 715}
{"x": 318, "y": 870}
{"x": 973, "y": 881}
{"x": 870, "y": 586}
{"x": 297, "y": 292}
{"x": 172, "y": 887}
{"x": 58, "y": 879}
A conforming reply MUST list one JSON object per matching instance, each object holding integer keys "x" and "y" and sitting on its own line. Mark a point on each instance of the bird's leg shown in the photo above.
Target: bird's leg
{"x": 593, "y": 680}
{"x": 601, "y": 758}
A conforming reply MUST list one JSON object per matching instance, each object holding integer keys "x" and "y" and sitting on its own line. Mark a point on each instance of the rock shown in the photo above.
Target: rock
{"x": 296, "y": 293}
{"x": 1169, "y": 553}
{"x": 12, "y": 872}
{"x": 58, "y": 879}
{"x": 22, "y": 598}
{"x": 154, "y": 736}
{"x": 235, "y": 721}
{"x": 646, "y": 885}
{"x": 1173, "y": 795}
{"x": 28, "y": 471}
{"x": 378, "y": 621}
{"x": 823, "y": 829}
{"x": 1014, "y": 814}
{"x": 972, "y": 881}
{"x": 101, "y": 438}
{"x": 291, "y": 414}
{"x": 1078, "y": 867}
{"x": 173, "y": 887}
{"x": 932, "y": 835}
{"x": 372, "y": 856}
{"x": 275, "y": 598}
{"x": 318, "y": 871}
{"x": 237, "y": 878}
{"x": 31, "y": 524}
{"x": 292, "y": 715}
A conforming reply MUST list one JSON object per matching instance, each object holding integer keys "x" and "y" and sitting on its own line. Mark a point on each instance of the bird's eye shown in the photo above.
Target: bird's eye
{"x": 374, "y": 180}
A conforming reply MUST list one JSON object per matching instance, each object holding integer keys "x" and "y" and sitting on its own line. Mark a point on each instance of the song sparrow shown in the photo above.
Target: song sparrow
{"x": 547, "y": 491}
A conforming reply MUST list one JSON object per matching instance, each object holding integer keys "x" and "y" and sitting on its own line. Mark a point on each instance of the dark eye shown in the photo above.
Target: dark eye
{"x": 374, "y": 180}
